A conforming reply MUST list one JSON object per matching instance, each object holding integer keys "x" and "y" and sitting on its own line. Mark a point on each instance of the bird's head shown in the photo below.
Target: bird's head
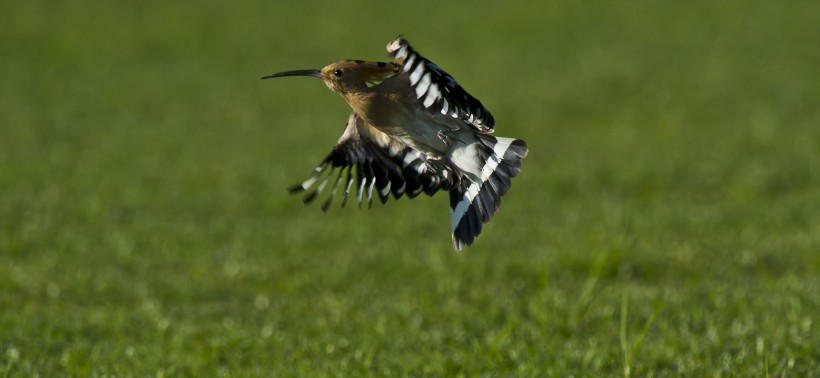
{"x": 348, "y": 76}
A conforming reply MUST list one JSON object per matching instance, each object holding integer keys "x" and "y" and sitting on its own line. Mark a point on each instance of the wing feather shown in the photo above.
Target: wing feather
{"x": 381, "y": 163}
{"x": 437, "y": 91}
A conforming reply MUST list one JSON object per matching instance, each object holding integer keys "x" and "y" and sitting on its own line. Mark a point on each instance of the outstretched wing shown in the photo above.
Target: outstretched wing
{"x": 437, "y": 91}
{"x": 381, "y": 163}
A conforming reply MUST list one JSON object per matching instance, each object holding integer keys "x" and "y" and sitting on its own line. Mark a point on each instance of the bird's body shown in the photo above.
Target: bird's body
{"x": 391, "y": 110}
{"x": 414, "y": 129}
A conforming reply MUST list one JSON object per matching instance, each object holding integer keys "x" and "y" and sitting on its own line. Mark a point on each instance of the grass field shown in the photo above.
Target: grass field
{"x": 666, "y": 221}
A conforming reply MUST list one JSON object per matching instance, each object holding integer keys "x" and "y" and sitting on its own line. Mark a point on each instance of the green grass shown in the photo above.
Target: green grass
{"x": 666, "y": 222}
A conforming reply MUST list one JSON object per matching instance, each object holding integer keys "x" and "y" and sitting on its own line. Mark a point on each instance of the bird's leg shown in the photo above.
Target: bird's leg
{"x": 447, "y": 137}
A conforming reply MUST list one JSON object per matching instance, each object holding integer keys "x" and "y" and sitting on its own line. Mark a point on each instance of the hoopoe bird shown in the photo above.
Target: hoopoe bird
{"x": 414, "y": 129}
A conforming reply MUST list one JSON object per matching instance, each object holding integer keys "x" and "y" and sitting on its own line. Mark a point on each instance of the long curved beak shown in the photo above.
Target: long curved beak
{"x": 314, "y": 73}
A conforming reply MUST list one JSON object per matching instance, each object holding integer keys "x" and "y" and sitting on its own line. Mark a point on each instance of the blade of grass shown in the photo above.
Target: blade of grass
{"x": 585, "y": 298}
{"x": 637, "y": 344}
{"x": 626, "y": 356}
{"x": 629, "y": 357}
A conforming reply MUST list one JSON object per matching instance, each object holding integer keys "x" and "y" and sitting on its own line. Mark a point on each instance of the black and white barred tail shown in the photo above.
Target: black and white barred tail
{"x": 473, "y": 202}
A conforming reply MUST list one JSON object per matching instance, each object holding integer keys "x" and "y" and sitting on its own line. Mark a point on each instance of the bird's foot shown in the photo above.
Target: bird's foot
{"x": 446, "y": 138}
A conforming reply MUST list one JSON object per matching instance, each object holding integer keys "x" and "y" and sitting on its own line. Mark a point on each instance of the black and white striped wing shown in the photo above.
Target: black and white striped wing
{"x": 365, "y": 161}
{"x": 437, "y": 91}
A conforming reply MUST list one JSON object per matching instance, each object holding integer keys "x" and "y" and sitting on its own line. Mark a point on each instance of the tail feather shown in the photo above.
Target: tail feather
{"x": 489, "y": 203}
{"x": 476, "y": 198}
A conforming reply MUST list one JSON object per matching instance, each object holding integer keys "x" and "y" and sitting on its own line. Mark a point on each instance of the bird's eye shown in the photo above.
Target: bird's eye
{"x": 338, "y": 73}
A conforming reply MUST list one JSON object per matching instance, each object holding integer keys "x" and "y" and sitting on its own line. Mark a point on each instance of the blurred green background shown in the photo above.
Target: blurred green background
{"x": 666, "y": 221}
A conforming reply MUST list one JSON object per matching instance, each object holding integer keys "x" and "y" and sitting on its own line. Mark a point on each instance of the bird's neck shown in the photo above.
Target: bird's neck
{"x": 364, "y": 103}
